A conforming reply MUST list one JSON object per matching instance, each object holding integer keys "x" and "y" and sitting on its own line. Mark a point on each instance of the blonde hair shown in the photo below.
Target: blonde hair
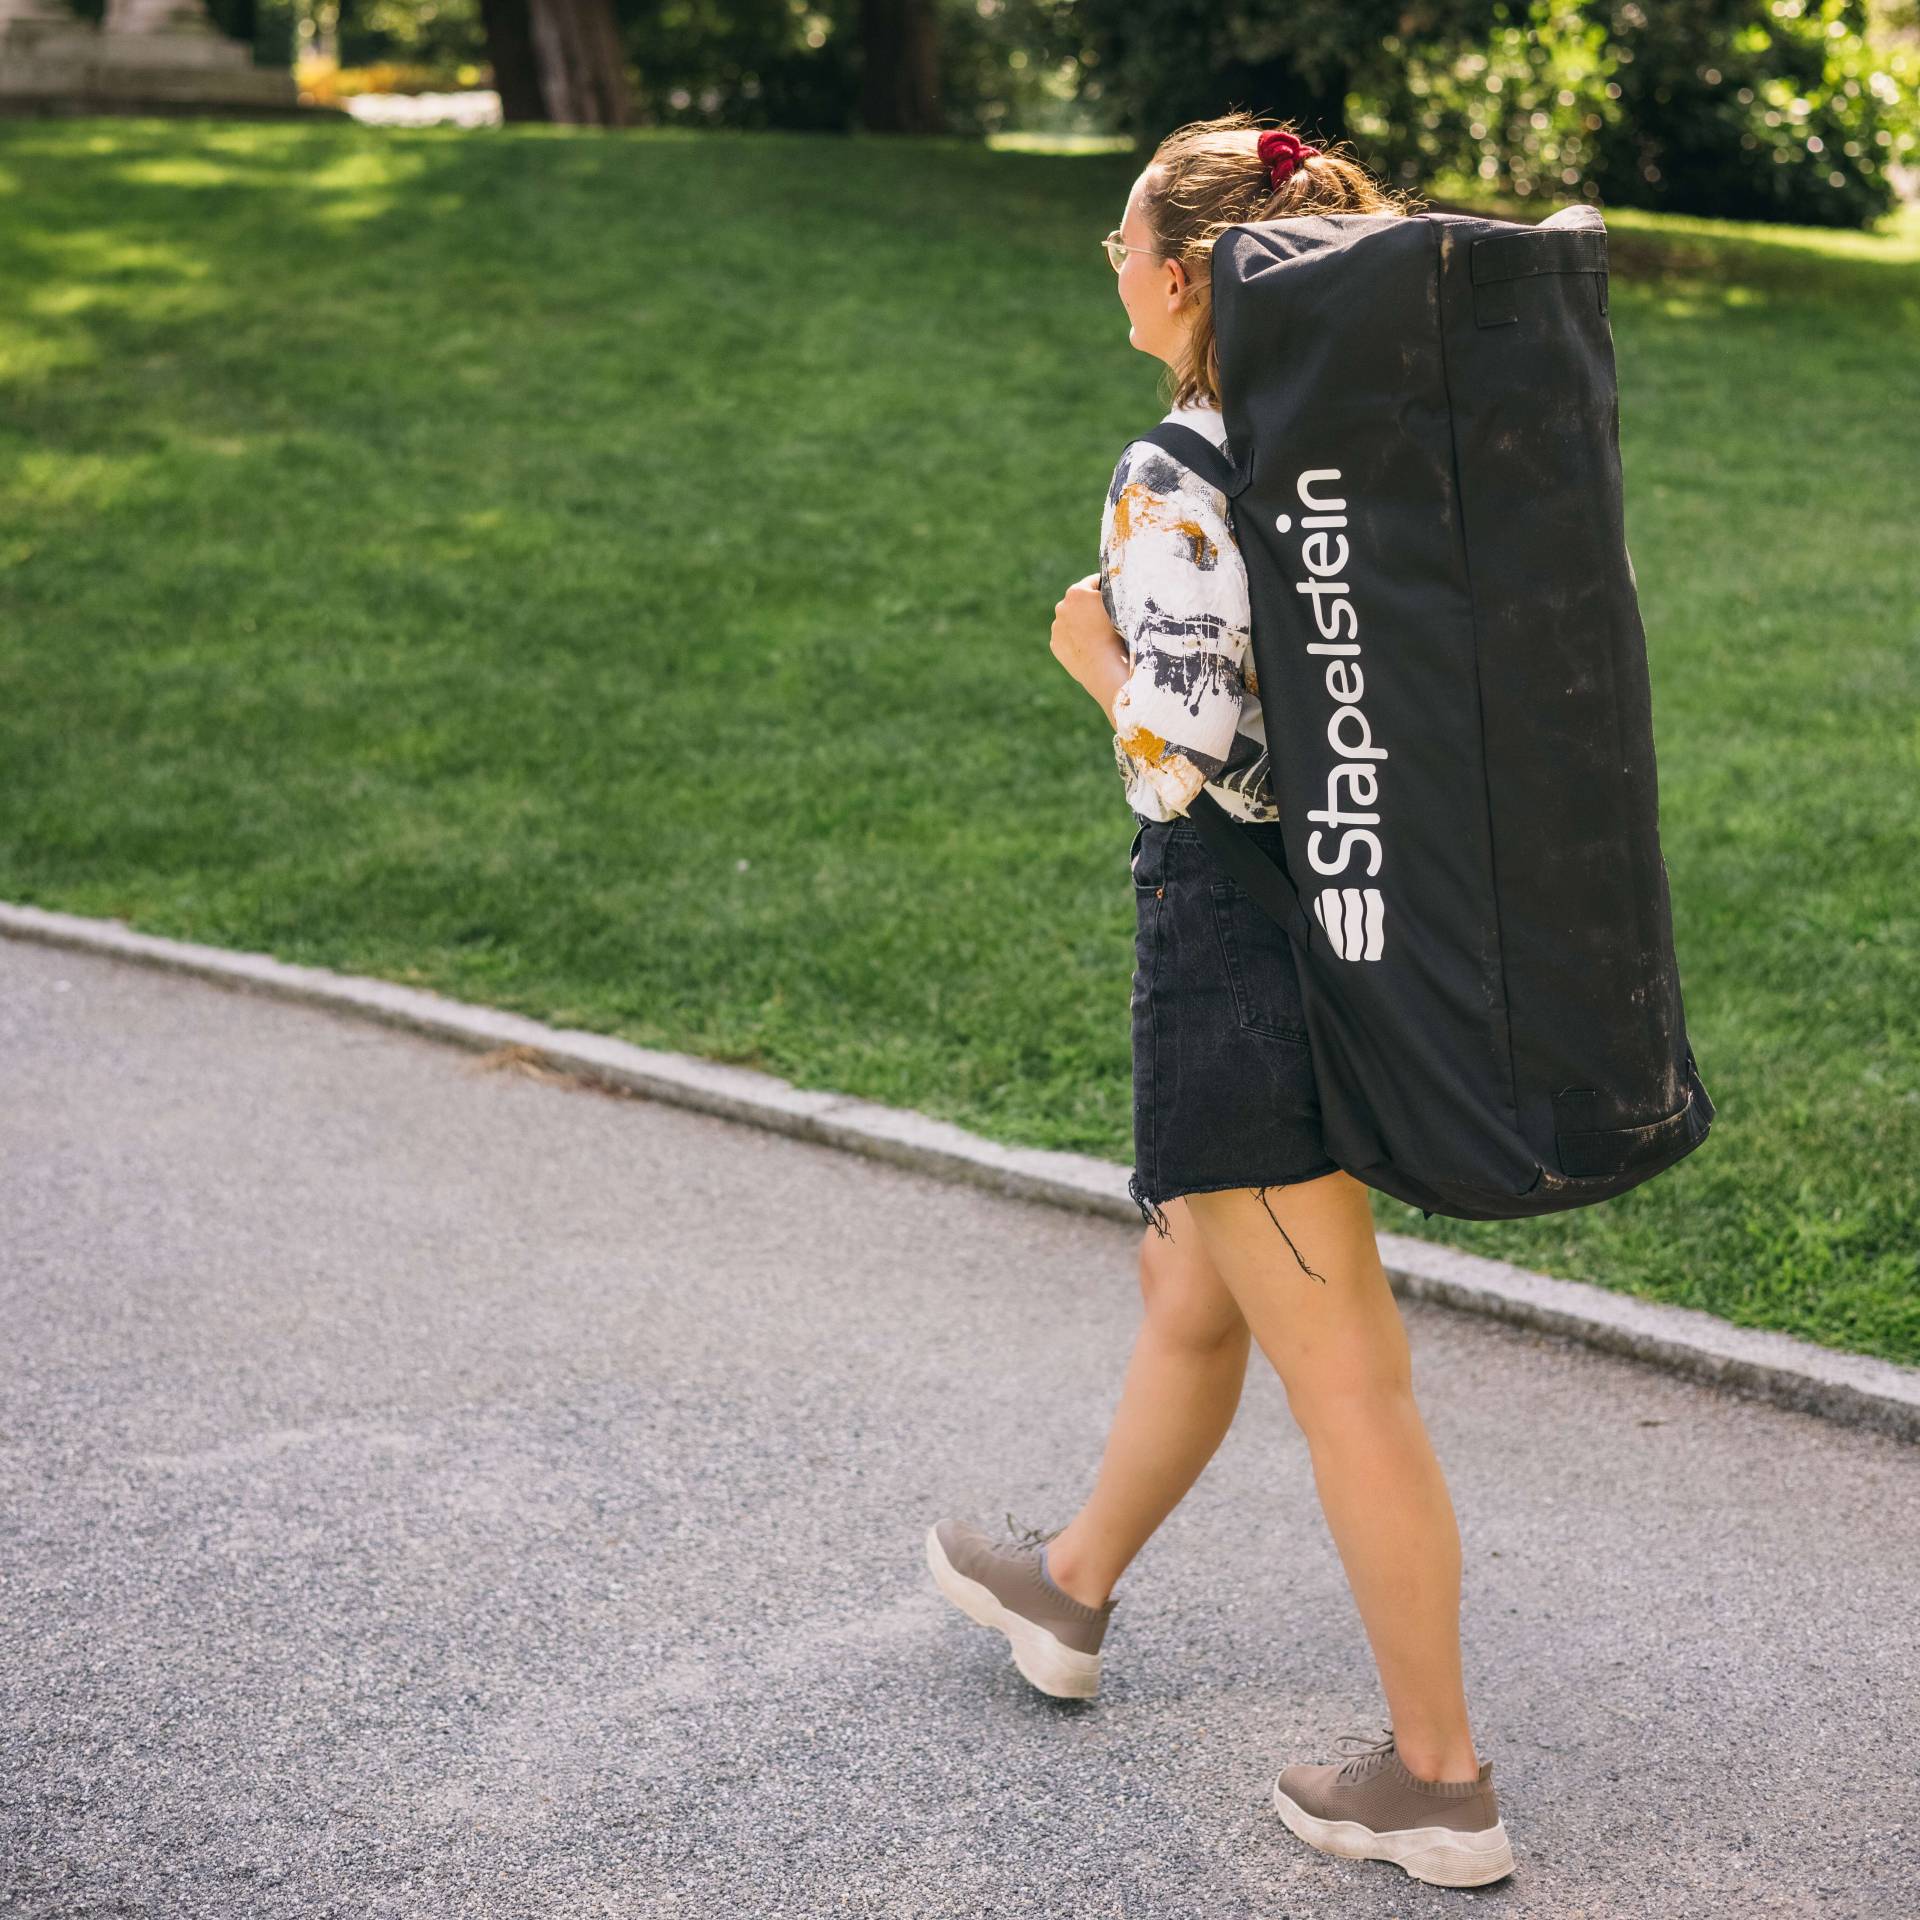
{"x": 1207, "y": 176}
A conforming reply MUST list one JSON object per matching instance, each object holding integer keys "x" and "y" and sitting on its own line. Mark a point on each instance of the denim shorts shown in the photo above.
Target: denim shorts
{"x": 1223, "y": 1088}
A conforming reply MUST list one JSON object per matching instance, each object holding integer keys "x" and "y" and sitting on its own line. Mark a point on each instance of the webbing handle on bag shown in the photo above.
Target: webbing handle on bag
{"x": 1503, "y": 259}
{"x": 1270, "y": 886}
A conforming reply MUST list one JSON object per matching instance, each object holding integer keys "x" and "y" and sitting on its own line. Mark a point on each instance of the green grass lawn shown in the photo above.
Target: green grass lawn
{"x": 610, "y": 578}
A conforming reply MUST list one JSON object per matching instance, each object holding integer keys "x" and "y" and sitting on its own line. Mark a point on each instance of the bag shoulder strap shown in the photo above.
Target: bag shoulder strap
{"x": 1193, "y": 449}
{"x": 1270, "y": 885}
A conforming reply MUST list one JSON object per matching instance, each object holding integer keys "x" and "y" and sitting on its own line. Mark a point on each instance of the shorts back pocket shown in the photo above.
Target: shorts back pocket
{"x": 1260, "y": 964}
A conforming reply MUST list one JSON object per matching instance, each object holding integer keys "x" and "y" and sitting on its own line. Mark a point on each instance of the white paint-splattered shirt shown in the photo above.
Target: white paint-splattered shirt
{"x": 1175, "y": 587}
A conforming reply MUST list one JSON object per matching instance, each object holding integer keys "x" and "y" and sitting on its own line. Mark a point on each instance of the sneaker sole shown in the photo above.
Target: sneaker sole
{"x": 1047, "y": 1662}
{"x": 1442, "y": 1855}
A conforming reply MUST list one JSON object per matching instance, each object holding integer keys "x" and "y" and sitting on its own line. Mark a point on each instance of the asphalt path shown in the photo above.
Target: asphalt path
{"x": 432, "y": 1488}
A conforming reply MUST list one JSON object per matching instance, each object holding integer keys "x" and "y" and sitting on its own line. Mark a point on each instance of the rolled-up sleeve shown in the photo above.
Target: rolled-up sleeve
{"x": 1176, "y": 589}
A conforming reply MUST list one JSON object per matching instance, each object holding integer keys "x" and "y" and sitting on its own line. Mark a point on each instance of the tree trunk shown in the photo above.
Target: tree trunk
{"x": 516, "y": 77}
{"x": 900, "y": 74}
{"x": 583, "y": 72}
{"x": 1279, "y": 87}
{"x": 558, "y": 60}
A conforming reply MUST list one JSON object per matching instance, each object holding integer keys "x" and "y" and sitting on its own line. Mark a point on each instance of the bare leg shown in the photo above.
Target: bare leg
{"x": 1181, "y": 1390}
{"x": 1341, "y": 1351}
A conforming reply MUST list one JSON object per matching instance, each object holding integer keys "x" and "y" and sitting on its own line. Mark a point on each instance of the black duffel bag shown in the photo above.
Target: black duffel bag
{"x": 1426, "y": 491}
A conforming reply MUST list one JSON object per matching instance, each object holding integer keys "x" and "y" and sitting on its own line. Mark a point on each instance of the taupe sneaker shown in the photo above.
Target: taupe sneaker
{"x": 1371, "y": 1808}
{"x": 1055, "y": 1638}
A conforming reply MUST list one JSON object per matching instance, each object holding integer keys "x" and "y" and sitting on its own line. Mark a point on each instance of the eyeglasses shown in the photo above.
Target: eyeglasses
{"x": 1117, "y": 250}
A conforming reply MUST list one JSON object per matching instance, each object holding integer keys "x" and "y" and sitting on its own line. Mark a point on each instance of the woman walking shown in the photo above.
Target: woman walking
{"x": 1254, "y": 1234}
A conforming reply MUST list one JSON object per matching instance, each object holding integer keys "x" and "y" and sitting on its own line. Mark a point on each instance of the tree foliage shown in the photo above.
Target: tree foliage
{"x": 1760, "y": 109}
{"x": 1742, "y": 109}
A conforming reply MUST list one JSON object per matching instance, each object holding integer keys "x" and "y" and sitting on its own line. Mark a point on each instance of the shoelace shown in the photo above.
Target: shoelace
{"x": 1031, "y": 1536}
{"x": 1374, "y": 1751}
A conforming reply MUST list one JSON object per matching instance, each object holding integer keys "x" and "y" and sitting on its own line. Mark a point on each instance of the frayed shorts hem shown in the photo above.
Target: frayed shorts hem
{"x": 1152, "y": 1207}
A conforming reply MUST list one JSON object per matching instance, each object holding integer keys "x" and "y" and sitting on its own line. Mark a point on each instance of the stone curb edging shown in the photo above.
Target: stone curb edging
{"x": 1856, "y": 1389}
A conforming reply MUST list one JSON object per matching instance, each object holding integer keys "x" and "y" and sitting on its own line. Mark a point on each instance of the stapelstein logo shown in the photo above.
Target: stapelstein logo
{"x": 1354, "y": 917}
{"x": 1355, "y": 920}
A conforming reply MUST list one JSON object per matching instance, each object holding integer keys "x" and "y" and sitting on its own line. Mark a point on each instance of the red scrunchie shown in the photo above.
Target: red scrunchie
{"x": 1281, "y": 152}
